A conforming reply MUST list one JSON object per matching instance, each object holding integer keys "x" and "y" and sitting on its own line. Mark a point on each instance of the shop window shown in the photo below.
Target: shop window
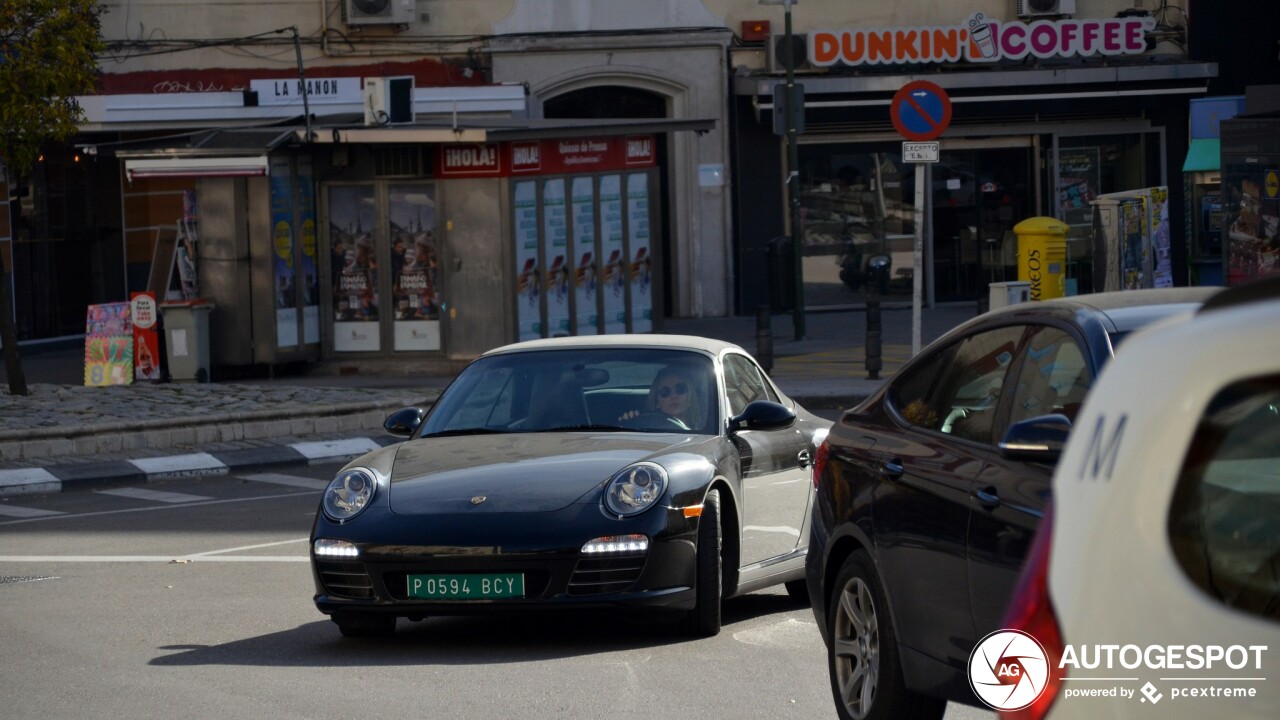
{"x": 398, "y": 162}
{"x": 1222, "y": 521}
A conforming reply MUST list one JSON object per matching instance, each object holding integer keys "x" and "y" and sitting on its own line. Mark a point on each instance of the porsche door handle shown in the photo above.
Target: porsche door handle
{"x": 988, "y": 497}
{"x": 805, "y": 458}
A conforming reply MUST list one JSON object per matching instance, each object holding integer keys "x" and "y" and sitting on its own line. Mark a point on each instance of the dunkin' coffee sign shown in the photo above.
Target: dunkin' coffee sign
{"x": 546, "y": 157}
{"x": 979, "y": 39}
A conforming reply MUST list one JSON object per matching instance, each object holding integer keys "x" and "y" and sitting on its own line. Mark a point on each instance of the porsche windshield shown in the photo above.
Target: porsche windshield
{"x": 592, "y": 389}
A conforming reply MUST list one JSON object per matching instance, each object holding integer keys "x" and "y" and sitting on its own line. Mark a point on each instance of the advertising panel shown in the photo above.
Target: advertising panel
{"x": 528, "y": 275}
{"x": 108, "y": 345}
{"x": 614, "y": 285}
{"x": 354, "y": 268}
{"x": 412, "y": 211}
{"x": 310, "y": 254}
{"x": 584, "y": 249}
{"x": 559, "y": 264}
{"x": 284, "y": 276}
{"x": 146, "y": 340}
{"x": 641, "y": 270}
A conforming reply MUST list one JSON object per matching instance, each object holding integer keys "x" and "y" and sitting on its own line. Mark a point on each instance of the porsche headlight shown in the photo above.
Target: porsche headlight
{"x": 349, "y": 493}
{"x": 635, "y": 488}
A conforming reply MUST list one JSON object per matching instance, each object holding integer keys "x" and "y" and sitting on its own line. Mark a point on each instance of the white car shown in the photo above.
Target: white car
{"x": 1153, "y": 587}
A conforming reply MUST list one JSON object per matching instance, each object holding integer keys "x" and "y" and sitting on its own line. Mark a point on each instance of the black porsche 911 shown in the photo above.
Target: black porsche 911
{"x": 656, "y": 472}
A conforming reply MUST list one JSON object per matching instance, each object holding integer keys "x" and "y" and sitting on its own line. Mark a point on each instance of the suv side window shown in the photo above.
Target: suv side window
{"x": 1223, "y": 524}
{"x": 1054, "y": 376}
{"x": 743, "y": 383}
{"x": 958, "y": 391}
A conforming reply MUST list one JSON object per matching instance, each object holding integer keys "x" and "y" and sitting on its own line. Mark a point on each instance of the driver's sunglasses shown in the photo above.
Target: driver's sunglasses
{"x": 665, "y": 391}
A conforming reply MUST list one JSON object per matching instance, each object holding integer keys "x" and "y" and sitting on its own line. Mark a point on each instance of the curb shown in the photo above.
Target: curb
{"x": 113, "y": 473}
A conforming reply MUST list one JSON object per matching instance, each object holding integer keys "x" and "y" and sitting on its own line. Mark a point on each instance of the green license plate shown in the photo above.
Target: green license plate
{"x": 466, "y": 587}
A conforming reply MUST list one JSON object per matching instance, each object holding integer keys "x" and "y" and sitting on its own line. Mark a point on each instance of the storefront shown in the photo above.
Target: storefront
{"x": 1047, "y": 116}
{"x": 418, "y": 240}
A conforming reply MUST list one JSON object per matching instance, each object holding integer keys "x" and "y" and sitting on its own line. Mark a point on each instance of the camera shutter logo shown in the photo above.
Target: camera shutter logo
{"x": 1008, "y": 670}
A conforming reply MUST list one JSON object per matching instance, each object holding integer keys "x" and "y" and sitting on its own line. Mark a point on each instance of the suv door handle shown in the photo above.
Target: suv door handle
{"x": 893, "y": 469}
{"x": 805, "y": 458}
{"x": 988, "y": 497}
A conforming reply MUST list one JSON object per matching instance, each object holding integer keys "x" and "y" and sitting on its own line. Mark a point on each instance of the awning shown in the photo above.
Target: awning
{"x": 171, "y": 167}
{"x": 1204, "y": 155}
{"x": 481, "y": 130}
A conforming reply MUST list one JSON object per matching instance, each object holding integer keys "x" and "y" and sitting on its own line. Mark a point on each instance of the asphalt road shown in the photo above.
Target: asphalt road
{"x": 191, "y": 598}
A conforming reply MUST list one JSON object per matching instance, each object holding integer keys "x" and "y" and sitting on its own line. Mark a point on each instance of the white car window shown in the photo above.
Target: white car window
{"x": 1224, "y": 522}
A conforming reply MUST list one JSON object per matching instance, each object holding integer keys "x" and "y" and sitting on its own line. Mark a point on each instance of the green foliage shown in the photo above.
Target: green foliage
{"x": 47, "y": 50}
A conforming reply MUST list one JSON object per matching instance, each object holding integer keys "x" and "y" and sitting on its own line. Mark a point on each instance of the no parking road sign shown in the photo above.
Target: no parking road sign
{"x": 920, "y": 110}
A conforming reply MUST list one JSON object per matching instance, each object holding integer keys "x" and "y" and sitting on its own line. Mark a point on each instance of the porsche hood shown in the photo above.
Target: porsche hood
{"x": 512, "y": 473}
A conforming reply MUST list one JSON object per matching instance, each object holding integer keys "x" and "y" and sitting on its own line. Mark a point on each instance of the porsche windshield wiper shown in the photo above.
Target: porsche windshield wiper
{"x": 577, "y": 428}
{"x": 466, "y": 431}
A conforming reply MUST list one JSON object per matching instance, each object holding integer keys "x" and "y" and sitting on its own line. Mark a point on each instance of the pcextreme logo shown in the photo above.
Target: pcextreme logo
{"x": 1008, "y": 670}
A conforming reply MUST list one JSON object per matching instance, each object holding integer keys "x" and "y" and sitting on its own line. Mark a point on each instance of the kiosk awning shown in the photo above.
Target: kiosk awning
{"x": 1204, "y": 155}
{"x": 494, "y": 130}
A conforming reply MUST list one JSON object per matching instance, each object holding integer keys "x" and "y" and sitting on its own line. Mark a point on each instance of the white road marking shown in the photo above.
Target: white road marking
{"x": 148, "y": 558}
{"x": 154, "y": 508}
{"x": 153, "y": 495}
{"x": 25, "y": 512}
{"x": 290, "y": 480}
{"x": 194, "y": 463}
{"x": 789, "y": 633}
{"x": 323, "y": 449}
{"x": 246, "y": 547}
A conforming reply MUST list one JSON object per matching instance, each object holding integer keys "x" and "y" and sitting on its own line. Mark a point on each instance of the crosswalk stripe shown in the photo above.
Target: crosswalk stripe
{"x": 25, "y": 512}
{"x": 153, "y": 495}
{"x": 290, "y": 480}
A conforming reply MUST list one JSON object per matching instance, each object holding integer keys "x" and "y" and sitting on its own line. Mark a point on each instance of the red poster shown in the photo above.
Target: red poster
{"x": 146, "y": 341}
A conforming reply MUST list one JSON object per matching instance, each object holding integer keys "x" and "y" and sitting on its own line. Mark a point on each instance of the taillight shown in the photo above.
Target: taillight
{"x": 820, "y": 461}
{"x": 1031, "y": 611}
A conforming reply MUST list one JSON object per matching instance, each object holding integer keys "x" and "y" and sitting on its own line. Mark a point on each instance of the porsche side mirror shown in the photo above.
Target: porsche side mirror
{"x": 763, "y": 415}
{"x": 1037, "y": 439}
{"x": 403, "y": 423}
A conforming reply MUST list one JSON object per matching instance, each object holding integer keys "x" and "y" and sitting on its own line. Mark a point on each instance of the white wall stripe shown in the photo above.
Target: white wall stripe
{"x": 290, "y": 480}
{"x": 335, "y": 448}
{"x": 180, "y": 464}
{"x": 25, "y": 512}
{"x": 153, "y": 495}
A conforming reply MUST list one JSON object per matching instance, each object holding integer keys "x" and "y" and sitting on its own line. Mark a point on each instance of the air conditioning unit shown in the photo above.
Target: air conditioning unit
{"x": 778, "y": 52}
{"x": 379, "y": 12}
{"x": 1041, "y": 8}
{"x": 388, "y": 101}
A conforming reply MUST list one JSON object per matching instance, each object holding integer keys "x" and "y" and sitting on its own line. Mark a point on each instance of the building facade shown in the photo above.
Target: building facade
{"x": 252, "y": 138}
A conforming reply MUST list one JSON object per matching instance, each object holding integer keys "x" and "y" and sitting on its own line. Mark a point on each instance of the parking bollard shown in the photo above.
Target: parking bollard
{"x": 764, "y": 338}
{"x": 874, "y": 363}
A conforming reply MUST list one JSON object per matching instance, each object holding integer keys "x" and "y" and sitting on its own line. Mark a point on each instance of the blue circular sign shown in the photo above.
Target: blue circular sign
{"x": 920, "y": 110}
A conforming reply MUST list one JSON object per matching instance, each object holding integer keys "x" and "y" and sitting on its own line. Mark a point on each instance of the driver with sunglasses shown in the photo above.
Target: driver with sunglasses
{"x": 674, "y": 396}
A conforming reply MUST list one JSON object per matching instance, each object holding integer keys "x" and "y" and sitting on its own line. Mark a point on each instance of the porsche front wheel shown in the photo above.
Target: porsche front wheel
{"x": 704, "y": 618}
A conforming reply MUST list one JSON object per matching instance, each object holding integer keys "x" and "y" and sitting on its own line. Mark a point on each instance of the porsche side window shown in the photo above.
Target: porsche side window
{"x": 1223, "y": 518}
{"x": 1054, "y": 376}
{"x": 744, "y": 383}
{"x": 963, "y": 393}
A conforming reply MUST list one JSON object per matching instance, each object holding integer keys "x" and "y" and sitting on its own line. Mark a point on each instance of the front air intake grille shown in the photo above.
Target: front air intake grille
{"x": 345, "y": 579}
{"x": 598, "y": 576}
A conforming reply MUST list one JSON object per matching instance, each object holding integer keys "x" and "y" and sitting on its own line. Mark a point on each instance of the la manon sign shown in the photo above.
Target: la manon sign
{"x": 979, "y": 39}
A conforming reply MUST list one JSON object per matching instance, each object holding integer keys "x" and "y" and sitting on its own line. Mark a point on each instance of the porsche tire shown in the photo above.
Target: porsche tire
{"x": 704, "y": 618}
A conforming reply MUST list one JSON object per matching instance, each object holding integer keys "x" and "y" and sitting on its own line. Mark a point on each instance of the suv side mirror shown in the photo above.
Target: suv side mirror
{"x": 763, "y": 415}
{"x": 1037, "y": 439}
{"x": 403, "y": 423}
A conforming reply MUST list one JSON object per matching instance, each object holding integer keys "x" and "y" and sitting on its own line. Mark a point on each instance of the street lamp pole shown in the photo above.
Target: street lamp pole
{"x": 793, "y": 178}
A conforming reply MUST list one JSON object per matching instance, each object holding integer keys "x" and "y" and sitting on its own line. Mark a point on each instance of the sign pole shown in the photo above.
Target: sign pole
{"x": 917, "y": 260}
{"x": 793, "y": 179}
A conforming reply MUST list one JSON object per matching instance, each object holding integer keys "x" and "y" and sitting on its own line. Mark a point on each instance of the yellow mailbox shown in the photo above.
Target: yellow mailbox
{"x": 1042, "y": 256}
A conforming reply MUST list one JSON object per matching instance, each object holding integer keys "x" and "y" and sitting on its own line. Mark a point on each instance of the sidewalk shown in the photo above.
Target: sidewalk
{"x": 66, "y": 436}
